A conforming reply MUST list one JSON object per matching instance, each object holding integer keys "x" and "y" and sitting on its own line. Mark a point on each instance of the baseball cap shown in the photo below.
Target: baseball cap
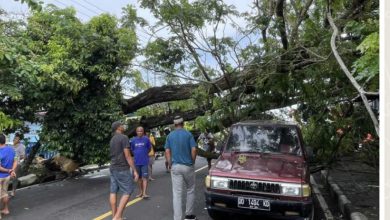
{"x": 178, "y": 120}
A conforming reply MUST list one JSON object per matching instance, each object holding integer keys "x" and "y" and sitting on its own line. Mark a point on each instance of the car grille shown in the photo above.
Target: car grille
{"x": 255, "y": 186}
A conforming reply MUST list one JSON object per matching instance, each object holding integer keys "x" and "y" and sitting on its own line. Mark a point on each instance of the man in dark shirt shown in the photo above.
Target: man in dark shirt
{"x": 121, "y": 178}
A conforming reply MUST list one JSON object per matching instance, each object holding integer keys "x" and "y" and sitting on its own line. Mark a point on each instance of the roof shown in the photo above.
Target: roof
{"x": 267, "y": 122}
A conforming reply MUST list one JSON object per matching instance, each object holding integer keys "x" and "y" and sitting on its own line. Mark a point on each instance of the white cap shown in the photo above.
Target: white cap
{"x": 178, "y": 120}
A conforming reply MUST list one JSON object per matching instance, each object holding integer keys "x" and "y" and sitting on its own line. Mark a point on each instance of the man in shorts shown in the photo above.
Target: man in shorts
{"x": 7, "y": 170}
{"x": 140, "y": 147}
{"x": 20, "y": 151}
{"x": 121, "y": 178}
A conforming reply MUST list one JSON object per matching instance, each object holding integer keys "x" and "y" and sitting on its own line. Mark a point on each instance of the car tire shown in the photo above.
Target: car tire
{"x": 216, "y": 215}
{"x": 311, "y": 217}
{"x": 312, "y": 214}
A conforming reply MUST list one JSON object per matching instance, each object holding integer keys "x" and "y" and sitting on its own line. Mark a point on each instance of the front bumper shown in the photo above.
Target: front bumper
{"x": 279, "y": 208}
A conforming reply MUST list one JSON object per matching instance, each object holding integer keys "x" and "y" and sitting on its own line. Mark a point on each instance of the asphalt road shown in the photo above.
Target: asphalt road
{"x": 87, "y": 198}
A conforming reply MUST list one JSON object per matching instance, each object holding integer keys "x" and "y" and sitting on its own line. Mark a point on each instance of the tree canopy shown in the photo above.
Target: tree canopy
{"x": 71, "y": 71}
{"x": 213, "y": 69}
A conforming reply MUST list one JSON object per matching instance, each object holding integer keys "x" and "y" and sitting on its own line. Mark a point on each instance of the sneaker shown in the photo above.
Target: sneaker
{"x": 190, "y": 217}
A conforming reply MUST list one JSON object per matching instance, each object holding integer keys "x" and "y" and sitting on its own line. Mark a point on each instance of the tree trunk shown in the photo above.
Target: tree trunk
{"x": 166, "y": 119}
{"x": 30, "y": 158}
{"x": 180, "y": 92}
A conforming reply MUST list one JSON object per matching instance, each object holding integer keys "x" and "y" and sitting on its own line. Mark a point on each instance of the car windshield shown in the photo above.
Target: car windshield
{"x": 264, "y": 139}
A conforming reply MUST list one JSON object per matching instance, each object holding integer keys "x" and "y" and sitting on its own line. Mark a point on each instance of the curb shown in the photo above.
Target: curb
{"x": 84, "y": 170}
{"x": 344, "y": 204}
{"x": 320, "y": 202}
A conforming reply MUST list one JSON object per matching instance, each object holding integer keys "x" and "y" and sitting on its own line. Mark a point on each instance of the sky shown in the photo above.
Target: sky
{"x": 89, "y": 8}
{"x": 86, "y": 9}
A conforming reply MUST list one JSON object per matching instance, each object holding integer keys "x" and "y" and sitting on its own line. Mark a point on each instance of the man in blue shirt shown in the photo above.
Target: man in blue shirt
{"x": 7, "y": 170}
{"x": 140, "y": 147}
{"x": 180, "y": 148}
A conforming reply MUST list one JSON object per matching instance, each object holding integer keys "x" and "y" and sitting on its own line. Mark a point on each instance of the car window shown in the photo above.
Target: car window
{"x": 264, "y": 139}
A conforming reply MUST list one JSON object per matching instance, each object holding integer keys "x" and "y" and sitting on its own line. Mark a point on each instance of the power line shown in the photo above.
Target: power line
{"x": 85, "y": 7}
{"x": 93, "y": 5}
{"x": 61, "y": 3}
{"x": 76, "y": 9}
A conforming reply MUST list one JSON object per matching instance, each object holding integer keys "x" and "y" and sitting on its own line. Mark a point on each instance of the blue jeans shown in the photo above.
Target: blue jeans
{"x": 143, "y": 171}
{"x": 121, "y": 181}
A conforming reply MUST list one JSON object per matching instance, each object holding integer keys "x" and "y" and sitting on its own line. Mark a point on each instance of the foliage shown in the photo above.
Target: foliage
{"x": 367, "y": 66}
{"x": 280, "y": 57}
{"x": 163, "y": 53}
{"x": 18, "y": 74}
{"x": 72, "y": 71}
{"x": 290, "y": 67}
{"x": 33, "y": 4}
{"x": 160, "y": 142}
{"x": 167, "y": 107}
{"x": 6, "y": 121}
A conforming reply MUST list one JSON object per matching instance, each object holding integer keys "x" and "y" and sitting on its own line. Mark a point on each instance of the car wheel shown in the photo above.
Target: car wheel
{"x": 311, "y": 217}
{"x": 216, "y": 215}
{"x": 312, "y": 214}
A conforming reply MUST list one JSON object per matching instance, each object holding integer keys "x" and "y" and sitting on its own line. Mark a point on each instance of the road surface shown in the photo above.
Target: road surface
{"x": 86, "y": 198}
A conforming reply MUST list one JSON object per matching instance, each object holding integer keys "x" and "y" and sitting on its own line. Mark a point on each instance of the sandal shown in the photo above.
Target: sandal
{"x": 139, "y": 196}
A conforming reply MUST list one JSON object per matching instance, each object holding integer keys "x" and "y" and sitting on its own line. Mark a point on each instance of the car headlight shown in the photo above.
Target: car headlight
{"x": 219, "y": 182}
{"x": 291, "y": 189}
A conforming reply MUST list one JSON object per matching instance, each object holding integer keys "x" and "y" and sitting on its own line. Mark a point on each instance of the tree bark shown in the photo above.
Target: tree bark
{"x": 179, "y": 92}
{"x": 166, "y": 119}
{"x": 281, "y": 23}
{"x": 30, "y": 158}
{"x": 159, "y": 94}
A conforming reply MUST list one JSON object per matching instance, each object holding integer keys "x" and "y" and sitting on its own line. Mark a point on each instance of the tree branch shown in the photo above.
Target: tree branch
{"x": 281, "y": 23}
{"x": 361, "y": 91}
{"x": 301, "y": 17}
{"x": 268, "y": 19}
{"x": 158, "y": 94}
{"x": 166, "y": 119}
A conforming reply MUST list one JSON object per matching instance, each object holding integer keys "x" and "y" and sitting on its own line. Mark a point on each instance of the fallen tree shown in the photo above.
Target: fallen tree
{"x": 180, "y": 92}
{"x": 161, "y": 120}
{"x": 245, "y": 79}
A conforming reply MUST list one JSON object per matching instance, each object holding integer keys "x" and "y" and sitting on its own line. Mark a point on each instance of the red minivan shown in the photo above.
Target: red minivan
{"x": 263, "y": 170}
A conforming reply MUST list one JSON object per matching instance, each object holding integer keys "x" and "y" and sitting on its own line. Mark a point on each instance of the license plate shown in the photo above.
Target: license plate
{"x": 252, "y": 203}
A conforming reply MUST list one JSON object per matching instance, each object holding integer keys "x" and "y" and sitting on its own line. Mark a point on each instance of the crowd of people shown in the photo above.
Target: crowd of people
{"x": 138, "y": 155}
{"x": 131, "y": 166}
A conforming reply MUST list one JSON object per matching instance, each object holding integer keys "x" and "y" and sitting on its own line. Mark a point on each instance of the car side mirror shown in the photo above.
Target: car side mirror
{"x": 220, "y": 146}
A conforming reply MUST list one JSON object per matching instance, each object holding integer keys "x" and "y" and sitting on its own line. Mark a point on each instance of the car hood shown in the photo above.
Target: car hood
{"x": 265, "y": 167}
